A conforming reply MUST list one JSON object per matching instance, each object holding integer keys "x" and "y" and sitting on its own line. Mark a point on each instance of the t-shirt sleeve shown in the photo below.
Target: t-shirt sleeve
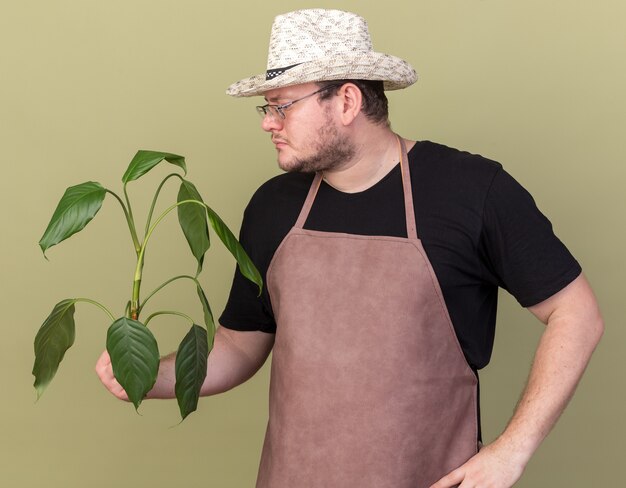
{"x": 271, "y": 213}
{"x": 245, "y": 310}
{"x": 522, "y": 252}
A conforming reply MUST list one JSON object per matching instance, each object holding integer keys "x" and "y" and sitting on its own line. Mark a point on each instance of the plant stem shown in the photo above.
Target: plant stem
{"x": 135, "y": 304}
{"x": 129, "y": 220}
{"x": 156, "y": 196}
{"x": 168, "y": 312}
{"x": 99, "y": 305}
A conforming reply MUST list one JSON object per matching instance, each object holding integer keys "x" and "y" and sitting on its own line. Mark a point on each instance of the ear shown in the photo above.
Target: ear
{"x": 350, "y": 98}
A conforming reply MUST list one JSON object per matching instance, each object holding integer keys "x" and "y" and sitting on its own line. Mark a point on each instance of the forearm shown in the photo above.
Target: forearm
{"x": 235, "y": 357}
{"x": 574, "y": 327}
{"x": 560, "y": 360}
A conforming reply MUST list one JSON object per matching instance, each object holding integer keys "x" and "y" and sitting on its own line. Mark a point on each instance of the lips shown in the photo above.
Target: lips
{"x": 279, "y": 142}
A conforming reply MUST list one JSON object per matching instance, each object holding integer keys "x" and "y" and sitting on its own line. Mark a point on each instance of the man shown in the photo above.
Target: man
{"x": 382, "y": 258}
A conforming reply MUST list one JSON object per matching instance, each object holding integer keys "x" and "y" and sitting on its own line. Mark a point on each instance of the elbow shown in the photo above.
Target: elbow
{"x": 598, "y": 328}
{"x": 594, "y": 324}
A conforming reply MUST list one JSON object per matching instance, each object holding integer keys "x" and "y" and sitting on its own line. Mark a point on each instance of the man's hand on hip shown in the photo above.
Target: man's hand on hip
{"x": 492, "y": 467}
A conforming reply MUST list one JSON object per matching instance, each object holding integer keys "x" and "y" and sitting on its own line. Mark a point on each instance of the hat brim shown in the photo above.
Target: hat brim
{"x": 394, "y": 72}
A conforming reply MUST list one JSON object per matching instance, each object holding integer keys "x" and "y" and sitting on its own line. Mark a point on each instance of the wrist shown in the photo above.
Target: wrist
{"x": 518, "y": 448}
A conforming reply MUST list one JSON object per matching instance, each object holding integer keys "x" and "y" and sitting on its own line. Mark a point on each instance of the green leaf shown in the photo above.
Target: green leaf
{"x": 193, "y": 220}
{"x": 134, "y": 357}
{"x": 144, "y": 161}
{"x": 55, "y": 336}
{"x": 75, "y": 210}
{"x": 208, "y": 317}
{"x": 191, "y": 364}
{"x": 246, "y": 266}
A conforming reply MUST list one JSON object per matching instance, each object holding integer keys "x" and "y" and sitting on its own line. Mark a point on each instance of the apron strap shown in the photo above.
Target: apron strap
{"x": 308, "y": 203}
{"x": 406, "y": 187}
{"x": 409, "y": 209}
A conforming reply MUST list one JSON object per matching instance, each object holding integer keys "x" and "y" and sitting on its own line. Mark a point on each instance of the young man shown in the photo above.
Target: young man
{"x": 382, "y": 258}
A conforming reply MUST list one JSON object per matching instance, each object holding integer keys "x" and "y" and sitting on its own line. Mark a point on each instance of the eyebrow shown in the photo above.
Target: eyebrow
{"x": 281, "y": 97}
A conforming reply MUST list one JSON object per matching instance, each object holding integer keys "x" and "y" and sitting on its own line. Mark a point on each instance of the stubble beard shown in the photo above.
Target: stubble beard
{"x": 330, "y": 151}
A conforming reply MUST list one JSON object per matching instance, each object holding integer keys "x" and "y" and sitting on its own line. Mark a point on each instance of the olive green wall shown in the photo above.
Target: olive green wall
{"x": 536, "y": 85}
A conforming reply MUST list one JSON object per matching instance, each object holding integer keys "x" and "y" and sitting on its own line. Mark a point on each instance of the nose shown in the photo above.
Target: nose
{"x": 270, "y": 122}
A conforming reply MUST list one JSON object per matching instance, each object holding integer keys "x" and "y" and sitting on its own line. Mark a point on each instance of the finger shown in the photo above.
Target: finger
{"x": 104, "y": 370}
{"x": 105, "y": 373}
{"x": 115, "y": 388}
{"x": 450, "y": 480}
{"x": 103, "y": 361}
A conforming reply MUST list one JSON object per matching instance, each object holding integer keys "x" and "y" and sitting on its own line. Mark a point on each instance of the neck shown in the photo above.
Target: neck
{"x": 377, "y": 152}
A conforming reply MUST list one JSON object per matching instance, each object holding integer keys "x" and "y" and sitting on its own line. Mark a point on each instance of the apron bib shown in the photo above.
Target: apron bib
{"x": 369, "y": 385}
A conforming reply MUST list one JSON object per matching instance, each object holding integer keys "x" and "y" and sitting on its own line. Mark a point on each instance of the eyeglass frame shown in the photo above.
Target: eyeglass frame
{"x": 268, "y": 108}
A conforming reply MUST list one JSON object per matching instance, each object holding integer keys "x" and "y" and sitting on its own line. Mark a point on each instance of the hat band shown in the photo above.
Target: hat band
{"x": 273, "y": 73}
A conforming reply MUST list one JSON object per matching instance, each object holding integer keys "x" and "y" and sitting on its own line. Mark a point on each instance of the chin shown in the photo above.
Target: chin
{"x": 282, "y": 165}
{"x": 289, "y": 166}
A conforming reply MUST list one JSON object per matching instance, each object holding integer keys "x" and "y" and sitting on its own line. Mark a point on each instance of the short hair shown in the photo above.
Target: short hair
{"x": 374, "y": 106}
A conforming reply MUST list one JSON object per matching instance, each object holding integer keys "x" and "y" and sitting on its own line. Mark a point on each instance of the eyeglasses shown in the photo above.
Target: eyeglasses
{"x": 274, "y": 110}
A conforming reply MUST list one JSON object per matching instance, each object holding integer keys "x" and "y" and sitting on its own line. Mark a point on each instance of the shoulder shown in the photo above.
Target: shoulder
{"x": 438, "y": 160}
{"x": 451, "y": 184}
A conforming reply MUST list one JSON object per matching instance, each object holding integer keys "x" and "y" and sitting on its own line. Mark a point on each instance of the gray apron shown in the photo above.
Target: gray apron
{"x": 369, "y": 385}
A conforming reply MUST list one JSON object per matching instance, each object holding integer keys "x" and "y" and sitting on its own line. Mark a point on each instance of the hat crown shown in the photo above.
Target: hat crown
{"x": 321, "y": 45}
{"x": 306, "y": 35}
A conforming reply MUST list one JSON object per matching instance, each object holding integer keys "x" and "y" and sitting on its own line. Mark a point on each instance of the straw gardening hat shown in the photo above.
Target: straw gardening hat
{"x": 321, "y": 45}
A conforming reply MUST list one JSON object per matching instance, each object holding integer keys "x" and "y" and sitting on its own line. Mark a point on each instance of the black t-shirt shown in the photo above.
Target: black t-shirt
{"x": 480, "y": 229}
